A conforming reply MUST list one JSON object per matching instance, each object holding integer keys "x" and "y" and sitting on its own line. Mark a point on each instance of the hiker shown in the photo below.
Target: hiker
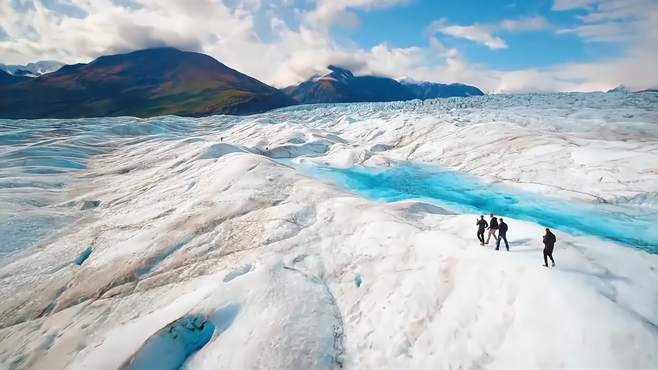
{"x": 493, "y": 227}
{"x": 549, "y": 242}
{"x": 502, "y": 234}
{"x": 482, "y": 225}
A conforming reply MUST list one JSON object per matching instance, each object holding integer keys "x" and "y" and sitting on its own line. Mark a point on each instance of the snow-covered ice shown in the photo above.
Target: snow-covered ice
{"x": 307, "y": 237}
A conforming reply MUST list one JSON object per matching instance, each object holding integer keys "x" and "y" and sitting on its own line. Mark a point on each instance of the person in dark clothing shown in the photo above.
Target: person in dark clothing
{"x": 482, "y": 225}
{"x": 493, "y": 227}
{"x": 502, "y": 234}
{"x": 549, "y": 243}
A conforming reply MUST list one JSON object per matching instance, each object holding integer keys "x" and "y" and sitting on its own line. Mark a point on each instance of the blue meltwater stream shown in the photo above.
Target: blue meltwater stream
{"x": 629, "y": 225}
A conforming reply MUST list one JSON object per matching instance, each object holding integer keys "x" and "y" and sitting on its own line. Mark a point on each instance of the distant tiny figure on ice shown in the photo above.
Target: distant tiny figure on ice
{"x": 502, "y": 234}
{"x": 549, "y": 243}
{"x": 482, "y": 225}
{"x": 493, "y": 227}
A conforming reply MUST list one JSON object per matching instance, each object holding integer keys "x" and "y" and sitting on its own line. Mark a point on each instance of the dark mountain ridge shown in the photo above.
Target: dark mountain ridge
{"x": 165, "y": 81}
{"x": 143, "y": 83}
{"x": 432, "y": 90}
{"x": 32, "y": 69}
{"x": 341, "y": 86}
{"x": 7, "y": 79}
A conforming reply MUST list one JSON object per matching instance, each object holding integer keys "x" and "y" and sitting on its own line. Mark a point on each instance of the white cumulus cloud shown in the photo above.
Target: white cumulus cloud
{"x": 485, "y": 33}
{"x": 282, "y": 42}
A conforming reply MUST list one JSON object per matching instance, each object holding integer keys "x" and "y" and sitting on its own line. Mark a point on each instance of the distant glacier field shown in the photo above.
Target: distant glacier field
{"x": 328, "y": 236}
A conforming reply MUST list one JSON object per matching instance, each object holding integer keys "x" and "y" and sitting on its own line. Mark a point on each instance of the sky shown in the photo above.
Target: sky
{"x": 501, "y": 46}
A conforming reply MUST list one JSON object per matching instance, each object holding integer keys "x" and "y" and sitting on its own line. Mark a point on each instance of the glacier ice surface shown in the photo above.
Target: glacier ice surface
{"x": 207, "y": 243}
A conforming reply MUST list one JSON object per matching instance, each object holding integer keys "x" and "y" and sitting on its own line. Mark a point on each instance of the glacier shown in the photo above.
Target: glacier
{"x": 334, "y": 236}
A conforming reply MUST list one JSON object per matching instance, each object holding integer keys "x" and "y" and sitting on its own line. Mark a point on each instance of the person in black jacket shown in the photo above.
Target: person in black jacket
{"x": 482, "y": 225}
{"x": 493, "y": 227}
{"x": 549, "y": 243}
{"x": 502, "y": 234}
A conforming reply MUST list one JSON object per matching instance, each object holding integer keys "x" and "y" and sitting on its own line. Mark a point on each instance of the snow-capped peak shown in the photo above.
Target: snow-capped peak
{"x": 340, "y": 74}
{"x": 620, "y": 89}
{"x": 32, "y": 69}
{"x": 406, "y": 80}
{"x": 336, "y": 74}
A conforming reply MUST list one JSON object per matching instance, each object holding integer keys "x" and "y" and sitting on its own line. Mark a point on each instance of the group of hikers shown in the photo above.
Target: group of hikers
{"x": 499, "y": 231}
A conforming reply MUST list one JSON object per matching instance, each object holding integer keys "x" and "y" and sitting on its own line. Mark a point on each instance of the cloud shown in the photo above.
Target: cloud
{"x": 229, "y": 33}
{"x": 441, "y": 49}
{"x": 484, "y": 33}
{"x": 608, "y": 20}
{"x": 331, "y": 12}
{"x": 603, "y": 32}
{"x": 523, "y": 24}
{"x": 108, "y": 27}
{"x": 602, "y": 22}
{"x": 476, "y": 33}
{"x": 3, "y": 34}
{"x": 630, "y": 23}
{"x": 606, "y": 10}
{"x": 151, "y": 37}
{"x": 560, "y": 5}
{"x": 297, "y": 42}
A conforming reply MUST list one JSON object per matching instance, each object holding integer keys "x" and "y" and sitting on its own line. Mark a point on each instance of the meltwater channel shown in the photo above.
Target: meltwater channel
{"x": 629, "y": 225}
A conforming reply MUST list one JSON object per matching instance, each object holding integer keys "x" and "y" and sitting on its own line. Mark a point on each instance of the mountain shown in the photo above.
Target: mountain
{"x": 143, "y": 83}
{"x": 32, "y": 69}
{"x": 619, "y": 89}
{"x": 7, "y": 79}
{"x": 341, "y": 86}
{"x": 24, "y": 73}
{"x": 431, "y": 90}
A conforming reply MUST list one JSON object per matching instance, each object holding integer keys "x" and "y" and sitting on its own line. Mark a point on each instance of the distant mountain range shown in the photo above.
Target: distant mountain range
{"x": 619, "y": 89}
{"x": 32, "y": 69}
{"x": 433, "y": 90}
{"x": 622, "y": 89}
{"x": 341, "y": 86}
{"x": 142, "y": 83}
{"x": 163, "y": 81}
{"x": 7, "y": 79}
